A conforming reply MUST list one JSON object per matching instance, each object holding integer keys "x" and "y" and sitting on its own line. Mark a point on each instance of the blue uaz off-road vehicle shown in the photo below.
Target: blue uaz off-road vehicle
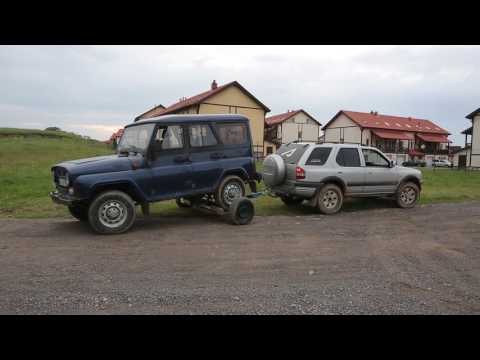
{"x": 195, "y": 159}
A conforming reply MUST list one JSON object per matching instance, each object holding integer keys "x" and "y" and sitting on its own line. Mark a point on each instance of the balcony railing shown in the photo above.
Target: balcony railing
{"x": 391, "y": 149}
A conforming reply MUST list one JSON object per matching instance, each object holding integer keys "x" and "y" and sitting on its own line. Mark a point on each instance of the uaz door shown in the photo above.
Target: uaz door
{"x": 170, "y": 167}
{"x": 206, "y": 155}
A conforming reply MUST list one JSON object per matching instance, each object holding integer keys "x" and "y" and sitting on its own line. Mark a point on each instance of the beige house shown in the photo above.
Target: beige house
{"x": 231, "y": 98}
{"x": 294, "y": 125}
{"x": 400, "y": 138}
{"x": 155, "y": 111}
{"x": 474, "y": 132}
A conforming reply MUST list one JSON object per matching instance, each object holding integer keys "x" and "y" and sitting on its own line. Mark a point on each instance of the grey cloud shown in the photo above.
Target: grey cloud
{"x": 109, "y": 85}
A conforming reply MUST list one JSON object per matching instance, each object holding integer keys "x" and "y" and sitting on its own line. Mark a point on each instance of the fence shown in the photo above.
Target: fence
{"x": 258, "y": 152}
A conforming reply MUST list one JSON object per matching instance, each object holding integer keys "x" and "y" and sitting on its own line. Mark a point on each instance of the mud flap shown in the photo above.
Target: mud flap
{"x": 145, "y": 209}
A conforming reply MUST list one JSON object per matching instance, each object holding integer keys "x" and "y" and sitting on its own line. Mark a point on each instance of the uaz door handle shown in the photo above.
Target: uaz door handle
{"x": 181, "y": 159}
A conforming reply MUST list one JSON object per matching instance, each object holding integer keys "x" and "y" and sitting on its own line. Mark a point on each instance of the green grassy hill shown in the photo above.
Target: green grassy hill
{"x": 25, "y": 179}
{"x": 25, "y": 160}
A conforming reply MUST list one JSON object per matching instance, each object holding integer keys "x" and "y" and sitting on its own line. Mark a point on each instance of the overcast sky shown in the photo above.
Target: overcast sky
{"x": 94, "y": 90}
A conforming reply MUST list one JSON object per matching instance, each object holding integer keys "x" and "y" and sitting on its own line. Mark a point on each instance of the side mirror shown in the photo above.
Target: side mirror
{"x": 392, "y": 163}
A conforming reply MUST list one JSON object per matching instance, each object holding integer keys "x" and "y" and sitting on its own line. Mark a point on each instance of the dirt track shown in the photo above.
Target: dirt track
{"x": 383, "y": 261}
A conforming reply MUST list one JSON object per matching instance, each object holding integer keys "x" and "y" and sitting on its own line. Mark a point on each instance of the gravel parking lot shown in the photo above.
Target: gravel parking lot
{"x": 382, "y": 261}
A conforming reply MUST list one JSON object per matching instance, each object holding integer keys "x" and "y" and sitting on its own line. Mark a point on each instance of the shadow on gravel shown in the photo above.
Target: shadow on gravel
{"x": 352, "y": 205}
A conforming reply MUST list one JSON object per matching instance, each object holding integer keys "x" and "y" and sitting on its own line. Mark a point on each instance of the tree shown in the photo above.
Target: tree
{"x": 53, "y": 128}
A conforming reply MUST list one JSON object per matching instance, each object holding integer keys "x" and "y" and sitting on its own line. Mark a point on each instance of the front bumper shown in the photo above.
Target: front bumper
{"x": 62, "y": 198}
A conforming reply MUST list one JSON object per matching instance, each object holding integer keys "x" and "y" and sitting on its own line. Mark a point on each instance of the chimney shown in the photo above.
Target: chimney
{"x": 214, "y": 85}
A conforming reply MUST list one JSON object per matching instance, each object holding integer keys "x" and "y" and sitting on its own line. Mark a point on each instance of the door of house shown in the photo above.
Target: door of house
{"x": 462, "y": 161}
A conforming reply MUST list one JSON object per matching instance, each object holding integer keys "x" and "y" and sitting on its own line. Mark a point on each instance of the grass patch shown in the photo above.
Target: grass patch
{"x": 25, "y": 179}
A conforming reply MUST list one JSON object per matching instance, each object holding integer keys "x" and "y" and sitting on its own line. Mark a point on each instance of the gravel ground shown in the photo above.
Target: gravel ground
{"x": 383, "y": 261}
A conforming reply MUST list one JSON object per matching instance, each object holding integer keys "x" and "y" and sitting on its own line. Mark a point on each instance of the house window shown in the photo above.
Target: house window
{"x": 269, "y": 150}
{"x": 300, "y": 132}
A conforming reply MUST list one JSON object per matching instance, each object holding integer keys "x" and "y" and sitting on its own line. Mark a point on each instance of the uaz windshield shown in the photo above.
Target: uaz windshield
{"x": 136, "y": 138}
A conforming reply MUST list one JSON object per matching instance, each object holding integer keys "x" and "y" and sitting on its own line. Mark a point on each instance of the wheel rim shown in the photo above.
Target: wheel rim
{"x": 112, "y": 214}
{"x": 408, "y": 195}
{"x": 330, "y": 199}
{"x": 232, "y": 191}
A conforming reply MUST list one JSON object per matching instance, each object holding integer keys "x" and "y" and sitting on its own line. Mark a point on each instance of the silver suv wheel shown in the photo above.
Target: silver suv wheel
{"x": 329, "y": 199}
{"x": 407, "y": 195}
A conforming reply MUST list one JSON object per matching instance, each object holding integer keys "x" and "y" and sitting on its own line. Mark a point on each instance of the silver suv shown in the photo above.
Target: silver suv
{"x": 326, "y": 173}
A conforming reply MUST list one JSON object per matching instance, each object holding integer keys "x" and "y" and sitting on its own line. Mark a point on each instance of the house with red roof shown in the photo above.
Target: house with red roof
{"x": 293, "y": 125}
{"x": 400, "y": 138}
{"x": 115, "y": 138}
{"x": 230, "y": 98}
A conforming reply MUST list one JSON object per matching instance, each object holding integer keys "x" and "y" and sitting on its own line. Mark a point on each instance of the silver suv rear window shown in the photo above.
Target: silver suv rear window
{"x": 291, "y": 153}
{"x": 319, "y": 156}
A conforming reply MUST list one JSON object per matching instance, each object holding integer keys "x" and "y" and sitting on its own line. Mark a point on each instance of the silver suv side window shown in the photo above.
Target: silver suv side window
{"x": 374, "y": 158}
{"x": 319, "y": 156}
{"x": 348, "y": 157}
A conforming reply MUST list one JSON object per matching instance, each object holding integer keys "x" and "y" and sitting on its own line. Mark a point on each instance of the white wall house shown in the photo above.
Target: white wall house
{"x": 295, "y": 125}
{"x": 474, "y": 131}
{"x": 400, "y": 138}
{"x": 461, "y": 158}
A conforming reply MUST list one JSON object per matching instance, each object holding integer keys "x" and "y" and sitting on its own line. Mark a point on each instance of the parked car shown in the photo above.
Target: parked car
{"x": 184, "y": 157}
{"x": 324, "y": 174}
{"x": 441, "y": 163}
{"x": 414, "y": 163}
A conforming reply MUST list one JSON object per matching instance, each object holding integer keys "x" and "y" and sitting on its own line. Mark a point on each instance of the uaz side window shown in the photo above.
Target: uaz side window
{"x": 201, "y": 135}
{"x": 348, "y": 157}
{"x": 319, "y": 156}
{"x": 232, "y": 134}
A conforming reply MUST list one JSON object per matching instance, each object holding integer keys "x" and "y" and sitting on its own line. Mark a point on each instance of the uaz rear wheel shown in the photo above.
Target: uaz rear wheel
{"x": 232, "y": 187}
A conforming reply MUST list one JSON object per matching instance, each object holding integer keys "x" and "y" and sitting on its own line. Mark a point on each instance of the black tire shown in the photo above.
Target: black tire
{"x": 241, "y": 211}
{"x": 407, "y": 195}
{"x": 225, "y": 200}
{"x": 79, "y": 211}
{"x": 291, "y": 201}
{"x": 329, "y": 199}
{"x": 113, "y": 203}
